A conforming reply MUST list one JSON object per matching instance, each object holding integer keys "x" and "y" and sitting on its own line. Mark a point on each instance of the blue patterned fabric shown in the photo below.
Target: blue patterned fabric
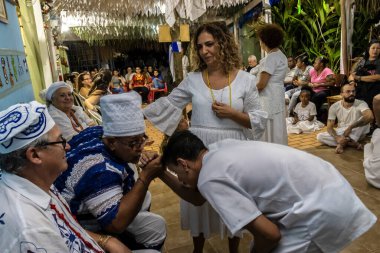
{"x": 20, "y": 124}
{"x": 95, "y": 181}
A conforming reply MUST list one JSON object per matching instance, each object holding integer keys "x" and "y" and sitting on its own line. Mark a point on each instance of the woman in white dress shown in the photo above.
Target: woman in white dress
{"x": 270, "y": 84}
{"x": 225, "y": 104}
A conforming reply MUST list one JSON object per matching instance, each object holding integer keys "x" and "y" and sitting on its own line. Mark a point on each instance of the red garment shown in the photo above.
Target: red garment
{"x": 138, "y": 80}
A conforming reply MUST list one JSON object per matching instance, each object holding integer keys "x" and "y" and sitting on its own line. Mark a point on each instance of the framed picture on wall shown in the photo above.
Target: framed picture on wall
{"x": 3, "y": 12}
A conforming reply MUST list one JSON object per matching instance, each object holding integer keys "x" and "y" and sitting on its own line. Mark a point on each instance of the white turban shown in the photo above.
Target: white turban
{"x": 122, "y": 114}
{"x": 54, "y": 87}
{"x": 21, "y": 124}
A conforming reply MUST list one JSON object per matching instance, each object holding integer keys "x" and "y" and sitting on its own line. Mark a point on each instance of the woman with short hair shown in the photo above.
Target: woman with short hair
{"x": 273, "y": 69}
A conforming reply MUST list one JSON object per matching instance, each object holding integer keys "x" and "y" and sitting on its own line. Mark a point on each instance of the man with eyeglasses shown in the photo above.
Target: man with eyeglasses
{"x": 353, "y": 117}
{"x": 33, "y": 216}
{"x": 102, "y": 185}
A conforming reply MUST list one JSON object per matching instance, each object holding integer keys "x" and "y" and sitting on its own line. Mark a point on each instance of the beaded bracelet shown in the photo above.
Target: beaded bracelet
{"x": 103, "y": 239}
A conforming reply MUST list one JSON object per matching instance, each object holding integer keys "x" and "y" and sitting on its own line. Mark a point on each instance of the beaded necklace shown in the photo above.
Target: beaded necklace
{"x": 212, "y": 93}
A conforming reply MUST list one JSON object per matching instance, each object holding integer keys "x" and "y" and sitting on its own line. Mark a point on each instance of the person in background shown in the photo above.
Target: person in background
{"x": 270, "y": 83}
{"x": 93, "y": 73}
{"x": 158, "y": 83}
{"x": 253, "y": 67}
{"x": 290, "y": 76}
{"x": 74, "y": 80}
{"x": 66, "y": 79}
{"x": 366, "y": 74}
{"x": 320, "y": 83}
{"x": 84, "y": 84}
{"x": 101, "y": 183}
{"x": 225, "y": 104}
{"x": 353, "y": 117}
{"x": 34, "y": 217}
{"x": 304, "y": 120}
{"x": 150, "y": 70}
{"x": 139, "y": 84}
{"x": 100, "y": 87}
{"x": 296, "y": 202}
{"x": 302, "y": 78}
{"x": 117, "y": 83}
{"x": 371, "y": 161}
{"x": 70, "y": 118}
{"x": 128, "y": 78}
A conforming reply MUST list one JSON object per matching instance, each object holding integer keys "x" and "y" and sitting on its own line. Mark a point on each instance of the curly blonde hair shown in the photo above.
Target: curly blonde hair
{"x": 228, "y": 54}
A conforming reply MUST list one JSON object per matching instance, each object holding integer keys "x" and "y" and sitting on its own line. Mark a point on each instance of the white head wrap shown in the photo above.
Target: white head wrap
{"x": 21, "y": 124}
{"x": 54, "y": 87}
{"x": 122, "y": 114}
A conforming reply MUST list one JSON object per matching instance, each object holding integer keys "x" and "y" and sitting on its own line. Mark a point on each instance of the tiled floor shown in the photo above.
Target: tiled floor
{"x": 166, "y": 203}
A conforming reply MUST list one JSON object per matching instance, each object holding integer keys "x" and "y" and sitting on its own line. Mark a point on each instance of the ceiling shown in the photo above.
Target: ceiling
{"x": 97, "y": 20}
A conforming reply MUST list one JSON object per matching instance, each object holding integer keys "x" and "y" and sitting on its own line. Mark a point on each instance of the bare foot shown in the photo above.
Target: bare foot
{"x": 339, "y": 149}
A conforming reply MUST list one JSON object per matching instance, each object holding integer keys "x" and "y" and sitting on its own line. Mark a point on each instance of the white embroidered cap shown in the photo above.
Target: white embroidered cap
{"x": 54, "y": 87}
{"x": 122, "y": 114}
{"x": 21, "y": 124}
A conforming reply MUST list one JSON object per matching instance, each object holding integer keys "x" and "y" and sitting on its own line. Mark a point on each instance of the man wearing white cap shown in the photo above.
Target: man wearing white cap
{"x": 33, "y": 215}
{"x": 100, "y": 184}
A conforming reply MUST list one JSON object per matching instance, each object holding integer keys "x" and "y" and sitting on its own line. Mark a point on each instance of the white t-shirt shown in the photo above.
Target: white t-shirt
{"x": 32, "y": 220}
{"x": 273, "y": 95}
{"x": 372, "y": 159}
{"x": 244, "y": 179}
{"x": 347, "y": 116}
{"x": 303, "y": 113}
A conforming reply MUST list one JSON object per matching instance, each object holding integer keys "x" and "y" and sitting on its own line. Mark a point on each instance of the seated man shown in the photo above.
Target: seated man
{"x": 372, "y": 150}
{"x": 310, "y": 209}
{"x": 253, "y": 68}
{"x": 100, "y": 183}
{"x": 292, "y": 71}
{"x": 33, "y": 216}
{"x": 353, "y": 117}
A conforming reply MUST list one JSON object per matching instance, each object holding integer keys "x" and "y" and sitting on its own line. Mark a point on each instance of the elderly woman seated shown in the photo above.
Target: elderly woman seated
{"x": 100, "y": 87}
{"x": 70, "y": 118}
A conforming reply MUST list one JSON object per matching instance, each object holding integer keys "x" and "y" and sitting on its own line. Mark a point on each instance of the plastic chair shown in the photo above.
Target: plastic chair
{"x": 153, "y": 91}
{"x": 95, "y": 116}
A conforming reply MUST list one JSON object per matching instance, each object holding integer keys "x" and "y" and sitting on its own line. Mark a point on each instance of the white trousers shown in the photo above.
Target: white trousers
{"x": 148, "y": 229}
{"x": 356, "y": 135}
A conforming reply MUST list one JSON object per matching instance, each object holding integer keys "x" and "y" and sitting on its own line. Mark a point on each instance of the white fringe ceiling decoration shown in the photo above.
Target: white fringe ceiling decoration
{"x": 96, "y": 20}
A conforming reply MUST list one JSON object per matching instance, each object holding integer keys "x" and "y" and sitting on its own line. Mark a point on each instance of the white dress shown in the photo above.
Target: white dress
{"x": 273, "y": 97}
{"x": 304, "y": 125}
{"x": 166, "y": 113}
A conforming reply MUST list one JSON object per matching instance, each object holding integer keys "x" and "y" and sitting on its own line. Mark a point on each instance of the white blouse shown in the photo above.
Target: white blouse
{"x": 166, "y": 112}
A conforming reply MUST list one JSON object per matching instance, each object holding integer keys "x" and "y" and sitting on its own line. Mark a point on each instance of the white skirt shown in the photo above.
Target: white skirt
{"x": 275, "y": 131}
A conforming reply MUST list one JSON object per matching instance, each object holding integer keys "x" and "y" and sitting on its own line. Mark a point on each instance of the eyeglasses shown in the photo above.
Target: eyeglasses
{"x": 135, "y": 144}
{"x": 349, "y": 91}
{"x": 63, "y": 142}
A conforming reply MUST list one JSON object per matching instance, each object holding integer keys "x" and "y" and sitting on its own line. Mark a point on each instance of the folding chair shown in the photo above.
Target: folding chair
{"x": 95, "y": 116}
